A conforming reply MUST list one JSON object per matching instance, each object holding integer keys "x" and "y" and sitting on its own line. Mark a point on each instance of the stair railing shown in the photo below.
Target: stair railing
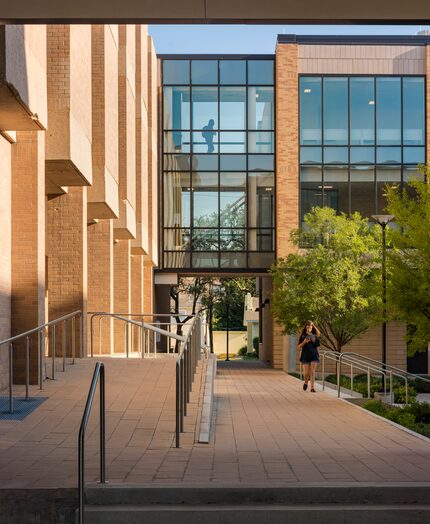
{"x": 42, "y": 332}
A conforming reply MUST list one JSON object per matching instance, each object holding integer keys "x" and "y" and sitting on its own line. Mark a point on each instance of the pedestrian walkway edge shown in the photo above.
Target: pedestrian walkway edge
{"x": 208, "y": 397}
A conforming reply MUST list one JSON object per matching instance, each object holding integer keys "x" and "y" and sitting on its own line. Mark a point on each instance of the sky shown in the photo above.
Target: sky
{"x": 237, "y": 39}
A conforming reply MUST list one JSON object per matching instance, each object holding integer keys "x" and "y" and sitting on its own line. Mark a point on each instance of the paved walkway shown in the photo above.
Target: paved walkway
{"x": 267, "y": 431}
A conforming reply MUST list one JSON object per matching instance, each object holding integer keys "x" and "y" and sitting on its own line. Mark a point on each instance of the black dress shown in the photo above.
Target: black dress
{"x": 310, "y": 349}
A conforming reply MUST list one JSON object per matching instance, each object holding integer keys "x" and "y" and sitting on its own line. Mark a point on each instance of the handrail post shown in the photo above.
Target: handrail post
{"x": 142, "y": 344}
{"x": 368, "y": 382}
{"x": 91, "y": 335}
{"x": 73, "y": 340}
{"x": 352, "y": 379}
{"x": 27, "y": 367}
{"x": 41, "y": 354}
{"x": 53, "y": 352}
{"x": 178, "y": 408}
{"x": 339, "y": 365}
{"x": 64, "y": 334}
{"x": 391, "y": 387}
{"x": 82, "y": 348}
{"x": 100, "y": 334}
{"x": 102, "y": 427}
{"x": 407, "y": 390}
{"x": 184, "y": 385}
{"x": 11, "y": 378}
{"x": 127, "y": 335}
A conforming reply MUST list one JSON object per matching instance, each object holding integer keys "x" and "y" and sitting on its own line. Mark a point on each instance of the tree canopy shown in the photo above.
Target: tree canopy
{"x": 408, "y": 259}
{"x": 335, "y": 281}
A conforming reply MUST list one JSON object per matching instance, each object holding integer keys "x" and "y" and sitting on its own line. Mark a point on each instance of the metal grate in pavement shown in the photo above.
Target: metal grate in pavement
{"x": 21, "y": 407}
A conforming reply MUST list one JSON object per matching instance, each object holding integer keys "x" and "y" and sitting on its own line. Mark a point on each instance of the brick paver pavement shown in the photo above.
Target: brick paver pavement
{"x": 267, "y": 430}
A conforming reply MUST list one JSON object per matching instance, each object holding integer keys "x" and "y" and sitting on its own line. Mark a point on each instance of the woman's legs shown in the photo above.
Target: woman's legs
{"x": 313, "y": 365}
{"x": 305, "y": 372}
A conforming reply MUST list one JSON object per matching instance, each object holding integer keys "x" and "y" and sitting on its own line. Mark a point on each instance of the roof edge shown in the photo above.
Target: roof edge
{"x": 413, "y": 40}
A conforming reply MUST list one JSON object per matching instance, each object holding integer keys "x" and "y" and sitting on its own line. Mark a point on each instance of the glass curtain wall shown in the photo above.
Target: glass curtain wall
{"x": 358, "y": 134}
{"x": 218, "y": 163}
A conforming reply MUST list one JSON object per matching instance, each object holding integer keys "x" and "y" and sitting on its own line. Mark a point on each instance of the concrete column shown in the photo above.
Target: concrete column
{"x": 28, "y": 245}
{"x": 66, "y": 245}
{"x": 136, "y": 263}
{"x": 100, "y": 284}
{"x": 122, "y": 290}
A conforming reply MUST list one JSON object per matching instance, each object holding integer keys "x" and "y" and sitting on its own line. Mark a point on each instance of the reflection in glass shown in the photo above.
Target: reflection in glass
{"x": 205, "y": 208}
{"x": 204, "y": 72}
{"x": 261, "y": 202}
{"x": 261, "y": 162}
{"x": 176, "y": 71}
{"x": 205, "y": 108}
{"x": 176, "y": 162}
{"x": 233, "y": 179}
{"x": 310, "y": 111}
{"x": 176, "y": 107}
{"x": 205, "y": 141}
{"x": 232, "y": 211}
{"x": 310, "y": 189}
{"x": 204, "y": 180}
{"x": 336, "y": 193}
{"x": 205, "y": 260}
{"x": 260, "y": 260}
{"x": 233, "y": 162}
{"x": 362, "y": 155}
{"x": 261, "y": 142}
{"x": 385, "y": 175}
{"x": 232, "y": 107}
{"x": 363, "y": 192}
{"x": 388, "y": 117}
{"x": 176, "y": 200}
{"x": 177, "y": 239}
{"x": 410, "y": 173}
{"x": 261, "y": 113}
{"x": 413, "y": 155}
{"x": 176, "y": 141}
{"x": 362, "y": 111}
{"x": 233, "y": 260}
{"x": 232, "y": 71}
{"x": 232, "y": 142}
{"x": 413, "y": 111}
{"x": 205, "y": 162}
{"x": 232, "y": 239}
{"x": 335, "y": 110}
{"x": 310, "y": 155}
{"x": 261, "y": 239}
{"x": 388, "y": 155}
{"x": 205, "y": 239}
{"x": 260, "y": 72}
{"x": 335, "y": 155}
{"x": 176, "y": 259}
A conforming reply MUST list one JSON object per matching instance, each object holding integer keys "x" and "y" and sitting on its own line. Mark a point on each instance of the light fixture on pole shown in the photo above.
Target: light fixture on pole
{"x": 383, "y": 220}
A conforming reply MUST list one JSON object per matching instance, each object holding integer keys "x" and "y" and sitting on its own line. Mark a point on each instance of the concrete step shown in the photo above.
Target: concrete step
{"x": 304, "y": 494}
{"x": 258, "y": 514}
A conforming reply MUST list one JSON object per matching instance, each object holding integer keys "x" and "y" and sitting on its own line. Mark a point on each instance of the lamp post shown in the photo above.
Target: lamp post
{"x": 383, "y": 220}
{"x": 227, "y": 326}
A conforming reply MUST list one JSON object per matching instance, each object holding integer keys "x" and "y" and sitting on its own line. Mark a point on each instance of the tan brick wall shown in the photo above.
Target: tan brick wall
{"x": 28, "y": 243}
{"x": 66, "y": 249}
{"x": 23, "y": 103}
{"x": 100, "y": 284}
{"x": 153, "y": 150}
{"x": 122, "y": 290}
{"x": 287, "y": 162}
{"x": 103, "y": 197}
{"x": 68, "y": 140}
{"x": 362, "y": 59}
{"x": 148, "y": 287}
{"x": 136, "y": 264}
{"x": 5, "y": 254}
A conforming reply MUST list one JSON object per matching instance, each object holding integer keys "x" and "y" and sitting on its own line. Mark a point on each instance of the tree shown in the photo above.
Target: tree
{"x": 336, "y": 281}
{"x": 231, "y": 291}
{"x": 408, "y": 260}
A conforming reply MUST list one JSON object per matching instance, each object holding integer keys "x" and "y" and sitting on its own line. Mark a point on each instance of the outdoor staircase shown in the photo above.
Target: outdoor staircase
{"x": 329, "y": 504}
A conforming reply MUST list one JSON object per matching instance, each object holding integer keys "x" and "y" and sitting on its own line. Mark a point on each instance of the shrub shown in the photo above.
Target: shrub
{"x": 255, "y": 344}
{"x": 243, "y": 351}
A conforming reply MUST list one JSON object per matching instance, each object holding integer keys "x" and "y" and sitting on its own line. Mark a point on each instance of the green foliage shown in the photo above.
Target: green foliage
{"x": 336, "y": 283}
{"x": 243, "y": 351}
{"x": 414, "y": 416}
{"x": 230, "y": 299}
{"x": 408, "y": 262}
{"x": 250, "y": 356}
{"x": 255, "y": 343}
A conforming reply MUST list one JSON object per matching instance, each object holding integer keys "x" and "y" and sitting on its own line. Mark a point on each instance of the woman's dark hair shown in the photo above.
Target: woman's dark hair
{"x": 314, "y": 329}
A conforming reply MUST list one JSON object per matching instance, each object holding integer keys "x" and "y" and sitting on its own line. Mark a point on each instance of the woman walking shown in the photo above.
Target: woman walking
{"x": 309, "y": 357}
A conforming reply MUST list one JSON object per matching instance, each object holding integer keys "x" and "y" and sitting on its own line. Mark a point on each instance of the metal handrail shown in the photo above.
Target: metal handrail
{"x": 353, "y": 356}
{"x": 142, "y": 325}
{"x": 354, "y": 364}
{"x": 99, "y": 373}
{"x": 186, "y": 364}
{"x": 40, "y": 330}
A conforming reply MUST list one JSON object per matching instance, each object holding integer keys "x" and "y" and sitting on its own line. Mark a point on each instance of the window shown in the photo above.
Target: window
{"x": 388, "y": 111}
{"x": 260, "y": 72}
{"x": 232, "y": 72}
{"x": 310, "y": 111}
{"x": 335, "y": 111}
{"x": 362, "y": 111}
{"x": 176, "y": 107}
{"x": 204, "y": 72}
{"x": 176, "y": 72}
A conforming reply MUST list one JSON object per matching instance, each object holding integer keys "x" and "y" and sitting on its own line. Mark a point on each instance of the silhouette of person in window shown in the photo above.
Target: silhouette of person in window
{"x": 209, "y": 135}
